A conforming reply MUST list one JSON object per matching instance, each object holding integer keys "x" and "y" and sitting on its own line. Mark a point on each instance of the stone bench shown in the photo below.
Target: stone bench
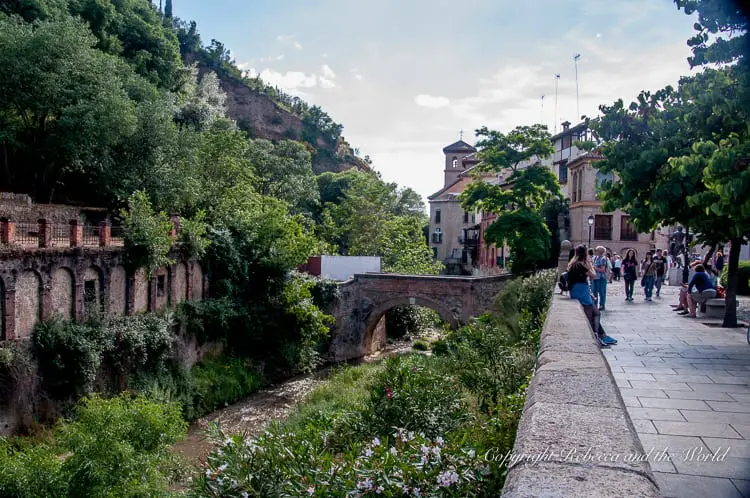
{"x": 715, "y": 308}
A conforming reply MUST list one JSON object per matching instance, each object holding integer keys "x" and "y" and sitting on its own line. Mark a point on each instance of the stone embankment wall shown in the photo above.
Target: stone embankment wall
{"x": 575, "y": 437}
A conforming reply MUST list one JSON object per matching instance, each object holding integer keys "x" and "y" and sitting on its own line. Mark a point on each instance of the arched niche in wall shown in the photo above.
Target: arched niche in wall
{"x": 28, "y": 302}
{"x": 117, "y": 290}
{"x": 62, "y": 293}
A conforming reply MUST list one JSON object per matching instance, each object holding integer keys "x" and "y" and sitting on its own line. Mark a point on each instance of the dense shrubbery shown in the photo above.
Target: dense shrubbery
{"x": 115, "y": 447}
{"x": 413, "y": 424}
{"x": 70, "y": 354}
{"x": 743, "y": 275}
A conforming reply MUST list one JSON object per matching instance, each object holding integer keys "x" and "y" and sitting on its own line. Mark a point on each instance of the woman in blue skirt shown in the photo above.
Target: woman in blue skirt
{"x": 579, "y": 271}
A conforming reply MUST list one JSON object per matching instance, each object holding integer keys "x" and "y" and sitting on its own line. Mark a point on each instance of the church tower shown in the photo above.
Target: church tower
{"x": 455, "y": 154}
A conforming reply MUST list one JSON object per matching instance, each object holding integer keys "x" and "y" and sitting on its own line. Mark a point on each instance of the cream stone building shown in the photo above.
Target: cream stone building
{"x": 456, "y": 235}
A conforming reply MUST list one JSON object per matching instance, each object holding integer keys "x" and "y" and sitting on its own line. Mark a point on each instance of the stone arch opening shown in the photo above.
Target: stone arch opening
{"x": 93, "y": 290}
{"x": 180, "y": 285}
{"x": 62, "y": 293}
{"x": 196, "y": 282}
{"x": 118, "y": 282}
{"x": 375, "y": 330}
{"x": 140, "y": 291}
{"x": 28, "y": 302}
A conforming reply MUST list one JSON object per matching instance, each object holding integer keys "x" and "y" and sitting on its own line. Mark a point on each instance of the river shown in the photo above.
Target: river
{"x": 251, "y": 414}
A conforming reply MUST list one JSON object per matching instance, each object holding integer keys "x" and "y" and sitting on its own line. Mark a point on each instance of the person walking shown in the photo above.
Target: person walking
{"x": 616, "y": 266}
{"x": 629, "y": 273}
{"x": 599, "y": 283}
{"x": 648, "y": 270}
{"x": 579, "y": 271}
{"x": 610, "y": 268}
{"x": 661, "y": 270}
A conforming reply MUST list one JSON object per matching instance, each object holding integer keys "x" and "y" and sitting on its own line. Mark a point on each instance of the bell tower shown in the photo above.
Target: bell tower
{"x": 455, "y": 155}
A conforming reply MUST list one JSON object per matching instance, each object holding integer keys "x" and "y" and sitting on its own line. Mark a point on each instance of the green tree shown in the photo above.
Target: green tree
{"x": 63, "y": 104}
{"x": 521, "y": 146}
{"x": 519, "y": 202}
{"x": 284, "y": 171}
{"x": 681, "y": 155}
{"x": 168, "y": 12}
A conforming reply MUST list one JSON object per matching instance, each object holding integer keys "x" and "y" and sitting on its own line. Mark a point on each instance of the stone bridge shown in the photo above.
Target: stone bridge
{"x": 364, "y": 299}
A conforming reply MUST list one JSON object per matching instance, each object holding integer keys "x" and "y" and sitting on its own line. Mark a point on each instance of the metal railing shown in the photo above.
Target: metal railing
{"x": 27, "y": 234}
{"x": 59, "y": 235}
{"x": 117, "y": 236}
{"x": 90, "y": 236}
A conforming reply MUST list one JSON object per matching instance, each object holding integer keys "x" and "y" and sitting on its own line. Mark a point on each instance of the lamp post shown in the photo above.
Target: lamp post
{"x": 591, "y": 223}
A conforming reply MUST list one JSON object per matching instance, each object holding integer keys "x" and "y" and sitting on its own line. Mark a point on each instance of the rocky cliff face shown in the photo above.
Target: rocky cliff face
{"x": 261, "y": 117}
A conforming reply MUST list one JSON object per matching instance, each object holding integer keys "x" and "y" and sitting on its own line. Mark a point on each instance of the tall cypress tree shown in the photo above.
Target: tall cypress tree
{"x": 168, "y": 9}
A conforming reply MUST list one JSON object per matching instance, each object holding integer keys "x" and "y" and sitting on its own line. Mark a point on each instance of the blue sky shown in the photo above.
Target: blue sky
{"x": 404, "y": 76}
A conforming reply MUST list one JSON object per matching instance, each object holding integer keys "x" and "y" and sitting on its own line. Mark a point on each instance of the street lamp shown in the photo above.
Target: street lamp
{"x": 591, "y": 223}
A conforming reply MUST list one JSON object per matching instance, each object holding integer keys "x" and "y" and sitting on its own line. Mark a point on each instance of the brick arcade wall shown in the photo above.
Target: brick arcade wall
{"x": 35, "y": 285}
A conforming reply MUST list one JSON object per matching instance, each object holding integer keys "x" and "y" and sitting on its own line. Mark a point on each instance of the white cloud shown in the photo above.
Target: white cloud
{"x": 291, "y": 81}
{"x": 289, "y": 40}
{"x": 280, "y": 57}
{"x": 327, "y": 77}
{"x": 425, "y": 100}
{"x": 327, "y": 72}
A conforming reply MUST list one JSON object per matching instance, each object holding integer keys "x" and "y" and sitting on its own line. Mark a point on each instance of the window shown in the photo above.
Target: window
{"x": 473, "y": 218}
{"x": 603, "y": 227}
{"x": 580, "y": 185}
{"x": 562, "y": 172}
{"x": 455, "y": 162}
{"x": 437, "y": 236}
{"x": 464, "y": 257}
{"x": 434, "y": 253}
{"x": 566, "y": 141}
{"x": 437, "y": 216}
{"x": 627, "y": 230}
{"x": 574, "y": 195}
{"x": 160, "y": 285}
{"x": 89, "y": 292}
{"x": 466, "y": 216}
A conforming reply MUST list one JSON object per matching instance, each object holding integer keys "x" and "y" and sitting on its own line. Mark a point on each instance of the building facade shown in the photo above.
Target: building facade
{"x": 454, "y": 231}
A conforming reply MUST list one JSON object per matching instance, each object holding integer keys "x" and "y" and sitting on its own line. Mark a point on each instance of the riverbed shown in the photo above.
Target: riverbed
{"x": 251, "y": 414}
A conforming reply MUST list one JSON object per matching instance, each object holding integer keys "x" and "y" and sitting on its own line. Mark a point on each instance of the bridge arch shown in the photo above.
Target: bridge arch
{"x": 380, "y": 309}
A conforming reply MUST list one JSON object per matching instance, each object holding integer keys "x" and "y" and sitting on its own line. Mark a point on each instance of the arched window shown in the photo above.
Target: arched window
{"x": 455, "y": 162}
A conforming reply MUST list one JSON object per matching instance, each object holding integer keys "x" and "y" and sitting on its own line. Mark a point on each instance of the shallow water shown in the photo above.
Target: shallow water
{"x": 251, "y": 414}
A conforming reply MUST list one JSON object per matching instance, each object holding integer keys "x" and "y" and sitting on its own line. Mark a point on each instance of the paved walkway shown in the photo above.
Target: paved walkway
{"x": 687, "y": 389}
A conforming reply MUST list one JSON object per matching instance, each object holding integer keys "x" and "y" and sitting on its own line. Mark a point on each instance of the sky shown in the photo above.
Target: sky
{"x": 404, "y": 77}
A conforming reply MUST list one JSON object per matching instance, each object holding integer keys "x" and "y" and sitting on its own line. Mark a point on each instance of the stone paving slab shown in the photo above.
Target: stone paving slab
{"x": 686, "y": 387}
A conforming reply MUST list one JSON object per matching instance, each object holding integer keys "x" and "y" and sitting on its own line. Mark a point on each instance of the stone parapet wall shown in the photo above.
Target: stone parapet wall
{"x": 574, "y": 423}
{"x": 21, "y": 209}
{"x": 364, "y": 299}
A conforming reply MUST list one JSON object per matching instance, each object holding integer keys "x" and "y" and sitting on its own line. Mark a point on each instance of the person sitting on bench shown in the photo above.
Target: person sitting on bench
{"x": 700, "y": 289}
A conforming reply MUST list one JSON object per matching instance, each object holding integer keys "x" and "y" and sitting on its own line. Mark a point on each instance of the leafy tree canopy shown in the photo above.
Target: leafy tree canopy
{"x": 518, "y": 203}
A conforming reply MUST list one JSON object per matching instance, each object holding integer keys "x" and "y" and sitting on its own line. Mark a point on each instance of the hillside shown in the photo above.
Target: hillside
{"x": 260, "y": 116}
{"x": 267, "y": 112}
